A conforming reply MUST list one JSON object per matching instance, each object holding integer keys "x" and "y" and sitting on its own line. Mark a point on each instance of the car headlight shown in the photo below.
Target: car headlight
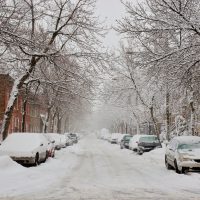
{"x": 184, "y": 157}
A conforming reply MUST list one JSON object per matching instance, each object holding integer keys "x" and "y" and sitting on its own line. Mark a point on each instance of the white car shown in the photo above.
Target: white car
{"x": 63, "y": 140}
{"x": 69, "y": 140}
{"x": 26, "y": 148}
{"x": 58, "y": 140}
{"x": 114, "y": 138}
{"x": 51, "y": 146}
{"x": 133, "y": 143}
{"x": 183, "y": 153}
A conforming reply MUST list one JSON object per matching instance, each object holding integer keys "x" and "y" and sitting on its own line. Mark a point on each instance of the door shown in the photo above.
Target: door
{"x": 171, "y": 152}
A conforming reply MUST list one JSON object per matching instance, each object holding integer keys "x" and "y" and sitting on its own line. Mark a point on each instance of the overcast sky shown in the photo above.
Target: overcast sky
{"x": 111, "y": 10}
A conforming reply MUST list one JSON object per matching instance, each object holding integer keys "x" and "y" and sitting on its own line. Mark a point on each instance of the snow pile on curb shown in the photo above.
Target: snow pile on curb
{"x": 17, "y": 180}
{"x": 6, "y": 163}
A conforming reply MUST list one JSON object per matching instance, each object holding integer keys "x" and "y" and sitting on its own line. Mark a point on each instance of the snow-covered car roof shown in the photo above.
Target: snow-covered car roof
{"x": 53, "y": 135}
{"x": 144, "y": 135}
{"x": 22, "y": 142}
{"x": 187, "y": 139}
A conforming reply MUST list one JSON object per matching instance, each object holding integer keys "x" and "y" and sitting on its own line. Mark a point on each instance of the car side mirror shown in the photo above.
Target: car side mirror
{"x": 41, "y": 145}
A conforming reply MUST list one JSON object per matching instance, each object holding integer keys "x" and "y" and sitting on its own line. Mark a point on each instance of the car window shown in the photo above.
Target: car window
{"x": 195, "y": 145}
{"x": 148, "y": 139}
{"x": 127, "y": 137}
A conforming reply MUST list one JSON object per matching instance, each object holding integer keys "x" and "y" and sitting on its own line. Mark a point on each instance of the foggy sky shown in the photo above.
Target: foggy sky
{"x": 110, "y": 10}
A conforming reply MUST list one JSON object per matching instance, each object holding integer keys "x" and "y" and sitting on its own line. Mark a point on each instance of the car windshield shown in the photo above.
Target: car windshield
{"x": 128, "y": 137}
{"x": 149, "y": 139}
{"x": 72, "y": 135}
{"x": 195, "y": 145}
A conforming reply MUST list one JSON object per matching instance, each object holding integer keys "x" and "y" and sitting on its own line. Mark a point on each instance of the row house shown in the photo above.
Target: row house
{"x": 34, "y": 109}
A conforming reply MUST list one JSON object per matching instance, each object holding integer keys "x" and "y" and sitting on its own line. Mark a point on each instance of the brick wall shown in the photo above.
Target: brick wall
{"x": 5, "y": 87}
{"x": 6, "y": 83}
{"x": 33, "y": 110}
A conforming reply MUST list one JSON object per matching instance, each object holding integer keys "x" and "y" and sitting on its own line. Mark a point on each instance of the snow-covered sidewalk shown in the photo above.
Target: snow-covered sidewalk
{"x": 94, "y": 169}
{"x": 17, "y": 180}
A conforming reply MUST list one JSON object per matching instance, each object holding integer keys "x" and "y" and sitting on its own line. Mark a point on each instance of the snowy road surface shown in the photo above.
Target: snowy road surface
{"x": 96, "y": 170}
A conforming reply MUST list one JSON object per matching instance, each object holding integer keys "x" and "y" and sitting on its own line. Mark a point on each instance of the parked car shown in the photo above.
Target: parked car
{"x": 69, "y": 141}
{"x": 73, "y": 137}
{"x": 125, "y": 141}
{"x": 57, "y": 138}
{"x": 120, "y": 137}
{"x": 25, "y": 148}
{"x": 63, "y": 140}
{"x": 51, "y": 146}
{"x": 144, "y": 143}
{"x": 105, "y": 134}
{"x": 183, "y": 153}
{"x": 114, "y": 138}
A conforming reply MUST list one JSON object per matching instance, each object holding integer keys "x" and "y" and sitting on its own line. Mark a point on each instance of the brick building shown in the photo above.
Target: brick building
{"x": 34, "y": 110}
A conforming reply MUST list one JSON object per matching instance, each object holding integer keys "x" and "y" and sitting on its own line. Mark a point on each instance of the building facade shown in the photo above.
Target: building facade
{"x": 34, "y": 109}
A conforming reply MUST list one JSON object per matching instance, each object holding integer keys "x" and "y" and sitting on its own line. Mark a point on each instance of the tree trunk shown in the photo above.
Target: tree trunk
{"x": 154, "y": 120}
{"x": 18, "y": 83}
{"x": 59, "y": 123}
{"x": 137, "y": 123}
{"x": 192, "y": 120}
{"x": 24, "y": 114}
{"x": 52, "y": 122}
{"x": 167, "y": 116}
{"x": 47, "y": 120}
{"x": 126, "y": 127}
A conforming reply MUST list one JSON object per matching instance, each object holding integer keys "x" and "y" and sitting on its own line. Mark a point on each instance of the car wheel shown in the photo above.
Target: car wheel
{"x": 36, "y": 160}
{"x": 176, "y": 168}
{"x": 185, "y": 170}
{"x": 139, "y": 152}
{"x": 168, "y": 166}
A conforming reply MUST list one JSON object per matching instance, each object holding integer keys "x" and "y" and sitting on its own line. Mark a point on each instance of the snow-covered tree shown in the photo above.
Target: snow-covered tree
{"x": 168, "y": 37}
{"x": 35, "y": 32}
{"x": 181, "y": 126}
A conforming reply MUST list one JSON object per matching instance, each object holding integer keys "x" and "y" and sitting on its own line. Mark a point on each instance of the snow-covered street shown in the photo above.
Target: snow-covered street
{"x": 94, "y": 169}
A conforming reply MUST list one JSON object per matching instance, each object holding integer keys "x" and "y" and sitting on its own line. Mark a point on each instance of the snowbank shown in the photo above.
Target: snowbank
{"x": 7, "y": 164}
{"x": 18, "y": 180}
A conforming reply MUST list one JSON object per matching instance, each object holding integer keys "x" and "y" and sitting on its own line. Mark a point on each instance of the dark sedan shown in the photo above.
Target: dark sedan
{"x": 125, "y": 141}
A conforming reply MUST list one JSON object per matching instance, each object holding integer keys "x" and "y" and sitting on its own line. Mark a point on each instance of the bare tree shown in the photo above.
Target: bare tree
{"x": 167, "y": 34}
{"x": 45, "y": 30}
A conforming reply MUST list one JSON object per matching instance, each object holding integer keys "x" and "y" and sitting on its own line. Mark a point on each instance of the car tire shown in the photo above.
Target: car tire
{"x": 176, "y": 167}
{"x": 168, "y": 166}
{"x": 185, "y": 170}
{"x": 36, "y": 163}
{"x": 139, "y": 152}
